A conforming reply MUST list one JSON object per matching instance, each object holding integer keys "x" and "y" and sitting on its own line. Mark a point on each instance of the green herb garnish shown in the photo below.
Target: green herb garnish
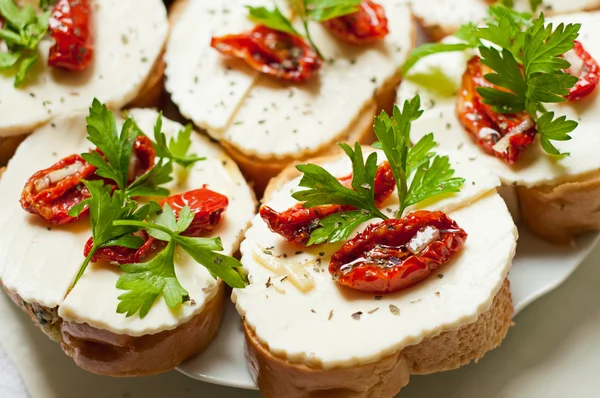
{"x": 307, "y": 10}
{"x": 145, "y": 282}
{"x": 529, "y": 66}
{"x": 22, "y": 32}
{"x": 419, "y": 173}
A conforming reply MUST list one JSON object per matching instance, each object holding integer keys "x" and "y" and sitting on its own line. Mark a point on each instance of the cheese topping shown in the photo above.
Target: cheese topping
{"x": 260, "y": 115}
{"x": 326, "y": 325}
{"x": 129, "y": 37}
{"x": 535, "y": 167}
{"x": 39, "y": 263}
{"x": 450, "y": 15}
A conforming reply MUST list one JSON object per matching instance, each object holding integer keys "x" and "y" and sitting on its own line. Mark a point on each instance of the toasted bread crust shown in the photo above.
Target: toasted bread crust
{"x": 277, "y": 377}
{"x": 557, "y": 213}
{"x": 105, "y": 353}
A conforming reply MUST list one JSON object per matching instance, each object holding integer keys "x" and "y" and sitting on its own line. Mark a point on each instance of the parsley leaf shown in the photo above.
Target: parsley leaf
{"x": 419, "y": 172}
{"x": 149, "y": 183}
{"x": 273, "y": 19}
{"x": 145, "y": 282}
{"x": 104, "y": 209}
{"x": 554, "y": 129}
{"x": 337, "y": 227}
{"x": 117, "y": 148}
{"x": 326, "y": 189}
{"x": 323, "y": 10}
{"x": 177, "y": 148}
{"x": 22, "y": 32}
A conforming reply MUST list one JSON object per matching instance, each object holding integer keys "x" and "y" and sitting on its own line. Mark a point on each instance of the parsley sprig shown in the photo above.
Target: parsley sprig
{"x": 527, "y": 64}
{"x": 22, "y": 32}
{"x": 115, "y": 217}
{"x": 419, "y": 173}
{"x": 145, "y": 282}
{"x": 117, "y": 149}
{"x": 307, "y": 10}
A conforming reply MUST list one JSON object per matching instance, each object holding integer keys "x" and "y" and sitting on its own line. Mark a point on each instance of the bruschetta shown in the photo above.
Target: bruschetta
{"x": 141, "y": 302}
{"x": 344, "y": 306}
{"x": 552, "y": 174}
{"x": 325, "y": 86}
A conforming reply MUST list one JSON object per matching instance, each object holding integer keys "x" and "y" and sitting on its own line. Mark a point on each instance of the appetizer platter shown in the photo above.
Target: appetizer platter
{"x": 392, "y": 174}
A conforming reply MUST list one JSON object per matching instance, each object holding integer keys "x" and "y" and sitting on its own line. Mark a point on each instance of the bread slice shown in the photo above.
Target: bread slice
{"x": 83, "y": 319}
{"x": 260, "y": 167}
{"x": 277, "y": 377}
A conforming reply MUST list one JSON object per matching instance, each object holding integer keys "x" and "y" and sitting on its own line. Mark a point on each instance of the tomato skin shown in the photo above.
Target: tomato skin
{"x": 122, "y": 255}
{"x": 208, "y": 207}
{"x": 271, "y": 52}
{"x": 143, "y": 158}
{"x": 588, "y": 76}
{"x": 297, "y": 223}
{"x": 71, "y": 26}
{"x": 378, "y": 259}
{"x": 53, "y": 200}
{"x": 488, "y": 127}
{"x": 364, "y": 26}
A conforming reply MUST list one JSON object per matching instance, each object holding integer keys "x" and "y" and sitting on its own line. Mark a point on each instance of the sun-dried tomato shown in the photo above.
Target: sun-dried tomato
{"x": 584, "y": 67}
{"x": 505, "y": 136}
{"x": 366, "y": 25}
{"x": 52, "y": 192}
{"x": 397, "y": 253}
{"x": 71, "y": 26}
{"x": 271, "y": 52}
{"x": 142, "y": 158}
{"x": 208, "y": 207}
{"x": 123, "y": 255}
{"x": 297, "y": 223}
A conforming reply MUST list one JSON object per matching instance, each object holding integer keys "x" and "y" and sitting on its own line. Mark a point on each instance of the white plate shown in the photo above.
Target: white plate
{"x": 538, "y": 268}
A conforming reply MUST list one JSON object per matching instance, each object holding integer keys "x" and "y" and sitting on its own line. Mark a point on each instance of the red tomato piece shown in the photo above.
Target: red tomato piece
{"x": 123, "y": 255}
{"x": 397, "y": 253}
{"x": 142, "y": 158}
{"x": 366, "y": 25}
{"x": 584, "y": 67}
{"x": 297, "y": 223}
{"x": 52, "y": 192}
{"x": 278, "y": 54}
{"x": 505, "y": 136}
{"x": 208, "y": 207}
{"x": 71, "y": 27}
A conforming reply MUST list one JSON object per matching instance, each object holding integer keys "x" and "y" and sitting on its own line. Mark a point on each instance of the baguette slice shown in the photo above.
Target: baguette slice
{"x": 38, "y": 264}
{"x": 328, "y": 341}
{"x": 266, "y": 124}
{"x": 127, "y": 69}
{"x": 557, "y": 198}
{"x": 441, "y": 18}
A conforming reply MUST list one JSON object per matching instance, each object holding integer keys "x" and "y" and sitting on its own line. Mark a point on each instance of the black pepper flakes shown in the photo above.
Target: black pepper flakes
{"x": 374, "y": 310}
{"x": 394, "y": 310}
{"x": 330, "y": 315}
{"x": 356, "y": 316}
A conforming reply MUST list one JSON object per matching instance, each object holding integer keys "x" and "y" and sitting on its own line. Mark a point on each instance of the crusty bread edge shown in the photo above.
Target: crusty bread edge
{"x": 277, "y": 377}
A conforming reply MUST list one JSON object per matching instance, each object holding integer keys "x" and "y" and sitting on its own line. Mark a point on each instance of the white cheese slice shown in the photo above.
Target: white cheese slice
{"x": 535, "y": 166}
{"x": 451, "y": 14}
{"x": 260, "y": 115}
{"x": 40, "y": 263}
{"x": 129, "y": 37}
{"x": 317, "y": 327}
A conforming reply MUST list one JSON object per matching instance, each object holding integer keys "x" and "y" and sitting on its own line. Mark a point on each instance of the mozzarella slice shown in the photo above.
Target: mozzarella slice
{"x": 326, "y": 325}
{"x": 39, "y": 263}
{"x": 262, "y": 116}
{"x": 451, "y": 14}
{"x": 129, "y": 39}
{"x": 438, "y": 78}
